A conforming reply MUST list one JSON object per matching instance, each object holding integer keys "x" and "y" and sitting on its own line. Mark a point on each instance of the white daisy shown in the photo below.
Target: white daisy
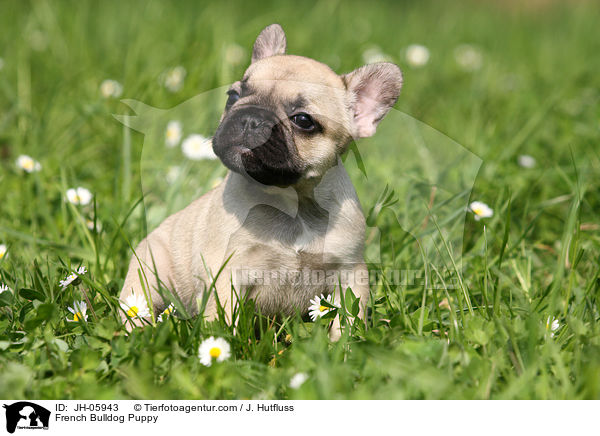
{"x": 111, "y": 88}
{"x": 173, "y": 133}
{"x": 79, "y": 196}
{"x": 235, "y": 54}
{"x": 166, "y": 313}
{"x": 68, "y": 280}
{"x": 173, "y": 79}
{"x": 526, "y": 161}
{"x": 374, "y": 54}
{"x": 552, "y": 325}
{"x": 317, "y": 310}
{"x": 481, "y": 210}
{"x": 79, "y": 311}
{"x": 417, "y": 55}
{"x": 89, "y": 223}
{"x": 468, "y": 57}
{"x": 72, "y": 277}
{"x": 217, "y": 348}
{"x": 173, "y": 173}
{"x": 28, "y": 164}
{"x": 298, "y": 380}
{"x": 3, "y": 251}
{"x": 4, "y": 288}
{"x": 197, "y": 147}
{"x": 135, "y": 306}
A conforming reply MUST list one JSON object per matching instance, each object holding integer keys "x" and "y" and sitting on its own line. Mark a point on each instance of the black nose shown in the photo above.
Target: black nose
{"x": 255, "y": 122}
{"x": 255, "y": 126}
{"x": 249, "y": 122}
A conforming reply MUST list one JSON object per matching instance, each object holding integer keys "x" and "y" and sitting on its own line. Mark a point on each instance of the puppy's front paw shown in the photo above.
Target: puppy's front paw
{"x": 335, "y": 331}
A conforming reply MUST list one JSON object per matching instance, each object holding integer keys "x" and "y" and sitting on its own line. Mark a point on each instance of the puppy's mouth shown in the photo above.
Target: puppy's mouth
{"x": 252, "y": 141}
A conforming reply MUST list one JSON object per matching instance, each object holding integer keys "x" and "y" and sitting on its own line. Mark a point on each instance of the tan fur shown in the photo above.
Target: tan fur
{"x": 316, "y": 224}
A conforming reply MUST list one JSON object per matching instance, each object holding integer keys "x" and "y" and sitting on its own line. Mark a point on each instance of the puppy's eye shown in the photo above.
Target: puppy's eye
{"x": 304, "y": 121}
{"x": 233, "y": 97}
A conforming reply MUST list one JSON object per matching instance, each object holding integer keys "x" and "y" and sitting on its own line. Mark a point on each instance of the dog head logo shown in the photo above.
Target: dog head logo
{"x": 26, "y": 415}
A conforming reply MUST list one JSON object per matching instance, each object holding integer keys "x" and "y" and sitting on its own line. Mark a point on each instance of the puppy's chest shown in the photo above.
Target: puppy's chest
{"x": 283, "y": 259}
{"x": 272, "y": 237}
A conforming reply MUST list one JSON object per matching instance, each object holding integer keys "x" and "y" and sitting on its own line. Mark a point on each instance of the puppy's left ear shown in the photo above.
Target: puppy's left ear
{"x": 270, "y": 42}
{"x": 374, "y": 89}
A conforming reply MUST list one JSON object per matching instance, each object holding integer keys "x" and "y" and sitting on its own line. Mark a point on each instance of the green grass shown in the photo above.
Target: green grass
{"x": 537, "y": 93}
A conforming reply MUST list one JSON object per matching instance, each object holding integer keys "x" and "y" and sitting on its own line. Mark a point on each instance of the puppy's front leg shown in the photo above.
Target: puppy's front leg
{"x": 357, "y": 280}
{"x": 150, "y": 261}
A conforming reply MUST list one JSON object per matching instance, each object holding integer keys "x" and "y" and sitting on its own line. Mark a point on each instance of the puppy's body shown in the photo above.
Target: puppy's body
{"x": 287, "y": 215}
{"x": 264, "y": 230}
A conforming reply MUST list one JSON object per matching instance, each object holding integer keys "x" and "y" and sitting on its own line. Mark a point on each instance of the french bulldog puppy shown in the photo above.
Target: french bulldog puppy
{"x": 287, "y": 215}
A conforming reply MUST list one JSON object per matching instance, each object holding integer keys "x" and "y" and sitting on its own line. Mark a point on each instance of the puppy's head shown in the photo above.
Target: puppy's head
{"x": 290, "y": 117}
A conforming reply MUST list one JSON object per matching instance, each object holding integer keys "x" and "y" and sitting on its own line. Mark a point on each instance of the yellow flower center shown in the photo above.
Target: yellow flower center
{"x": 478, "y": 211}
{"x": 133, "y": 311}
{"x": 28, "y": 165}
{"x": 171, "y": 133}
{"x": 77, "y": 316}
{"x": 215, "y": 352}
{"x": 323, "y": 308}
{"x": 2, "y": 254}
{"x": 167, "y": 311}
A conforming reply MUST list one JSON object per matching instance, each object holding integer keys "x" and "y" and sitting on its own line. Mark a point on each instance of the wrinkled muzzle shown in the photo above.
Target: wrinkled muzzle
{"x": 252, "y": 141}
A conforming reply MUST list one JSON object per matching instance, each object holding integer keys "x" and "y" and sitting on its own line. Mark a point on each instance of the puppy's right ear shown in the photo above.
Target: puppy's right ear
{"x": 270, "y": 42}
{"x": 373, "y": 89}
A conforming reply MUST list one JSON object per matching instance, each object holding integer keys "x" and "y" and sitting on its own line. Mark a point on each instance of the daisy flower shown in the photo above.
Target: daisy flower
{"x": 173, "y": 79}
{"x": 166, "y": 313}
{"x": 68, "y": 280}
{"x": 317, "y": 310}
{"x": 552, "y": 325}
{"x": 217, "y": 348}
{"x": 172, "y": 174}
{"x": 135, "y": 306}
{"x": 298, "y": 380}
{"x": 89, "y": 223}
{"x": 197, "y": 147}
{"x": 3, "y": 251}
{"x": 173, "y": 133}
{"x": 481, "y": 210}
{"x": 79, "y": 311}
{"x": 526, "y": 161}
{"x": 3, "y": 288}
{"x": 111, "y": 88}
{"x": 28, "y": 164}
{"x": 468, "y": 57}
{"x": 374, "y": 54}
{"x": 79, "y": 196}
{"x": 417, "y": 55}
{"x": 72, "y": 277}
{"x": 235, "y": 54}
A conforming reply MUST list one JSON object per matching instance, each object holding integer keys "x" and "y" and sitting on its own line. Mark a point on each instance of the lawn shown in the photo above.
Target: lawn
{"x": 501, "y": 307}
